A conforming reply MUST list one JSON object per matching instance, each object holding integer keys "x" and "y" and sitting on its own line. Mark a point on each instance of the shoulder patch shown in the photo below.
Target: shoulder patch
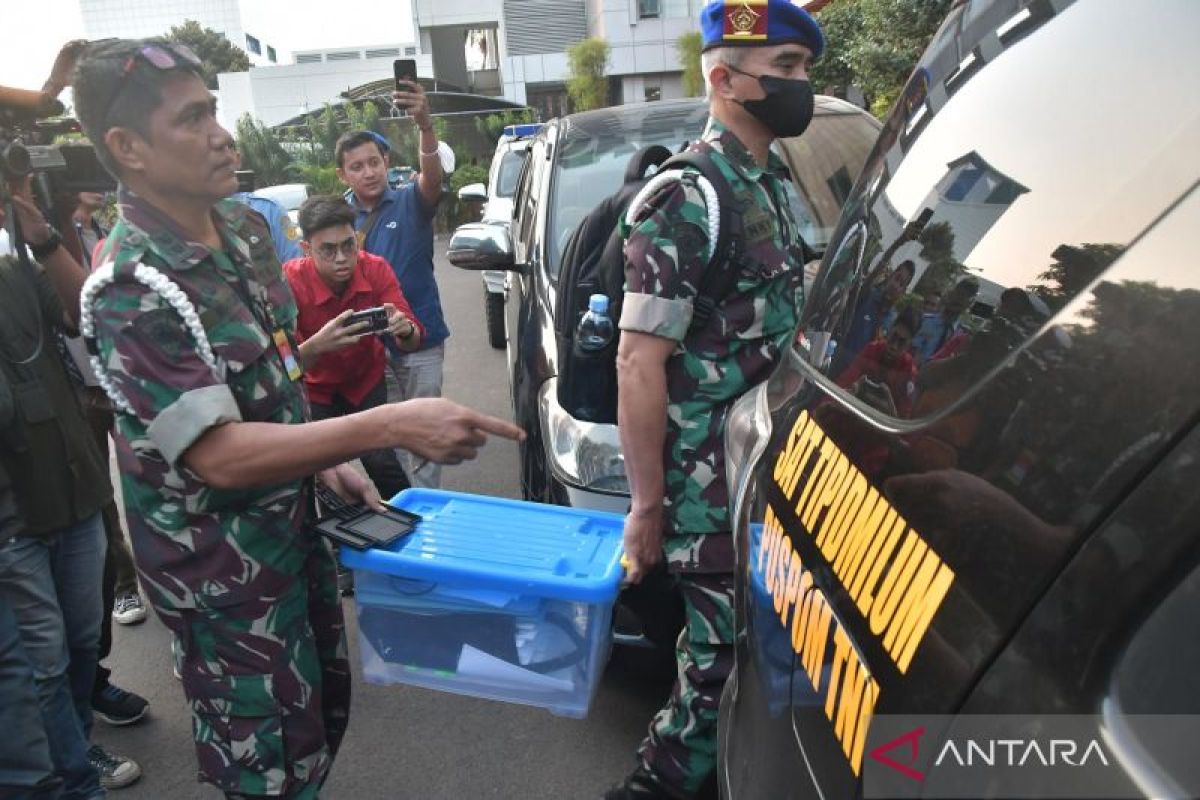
{"x": 164, "y": 327}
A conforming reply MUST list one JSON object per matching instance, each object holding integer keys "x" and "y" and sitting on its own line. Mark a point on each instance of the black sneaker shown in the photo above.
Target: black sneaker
{"x": 117, "y": 706}
{"x": 640, "y": 785}
{"x": 116, "y": 772}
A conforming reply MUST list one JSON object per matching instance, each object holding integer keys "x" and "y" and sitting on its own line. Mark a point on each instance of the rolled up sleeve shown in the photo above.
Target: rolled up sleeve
{"x": 666, "y": 253}
{"x": 154, "y": 363}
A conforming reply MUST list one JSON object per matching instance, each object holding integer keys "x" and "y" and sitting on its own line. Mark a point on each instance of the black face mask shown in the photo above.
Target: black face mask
{"x": 788, "y": 107}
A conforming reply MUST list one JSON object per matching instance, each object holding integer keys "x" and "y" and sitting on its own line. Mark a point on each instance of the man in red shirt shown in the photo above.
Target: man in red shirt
{"x": 344, "y": 365}
{"x": 883, "y": 374}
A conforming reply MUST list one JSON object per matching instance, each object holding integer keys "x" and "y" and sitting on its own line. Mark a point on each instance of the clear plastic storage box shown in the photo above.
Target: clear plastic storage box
{"x": 491, "y": 598}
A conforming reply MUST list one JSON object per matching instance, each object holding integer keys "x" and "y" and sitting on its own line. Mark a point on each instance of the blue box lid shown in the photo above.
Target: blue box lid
{"x": 494, "y": 543}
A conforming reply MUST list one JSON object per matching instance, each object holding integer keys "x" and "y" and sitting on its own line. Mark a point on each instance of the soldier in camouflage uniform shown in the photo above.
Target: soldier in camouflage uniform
{"x": 212, "y": 437}
{"x": 676, "y": 385}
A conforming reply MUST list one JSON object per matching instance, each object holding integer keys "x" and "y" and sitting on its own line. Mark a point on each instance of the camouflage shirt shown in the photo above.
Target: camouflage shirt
{"x": 666, "y": 254}
{"x": 197, "y": 545}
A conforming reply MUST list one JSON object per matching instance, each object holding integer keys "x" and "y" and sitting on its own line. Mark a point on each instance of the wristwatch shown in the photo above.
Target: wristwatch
{"x": 47, "y": 247}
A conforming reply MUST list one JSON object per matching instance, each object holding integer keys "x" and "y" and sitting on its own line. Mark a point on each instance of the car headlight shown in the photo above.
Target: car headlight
{"x": 747, "y": 429}
{"x": 584, "y": 454}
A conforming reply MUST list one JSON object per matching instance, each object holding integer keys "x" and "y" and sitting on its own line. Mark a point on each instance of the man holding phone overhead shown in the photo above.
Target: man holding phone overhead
{"x": 397, "y": 224}
{"x": 338, "y": 289}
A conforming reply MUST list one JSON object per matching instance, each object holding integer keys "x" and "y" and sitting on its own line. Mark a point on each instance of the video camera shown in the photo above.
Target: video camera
{"x": 27, "y": 132}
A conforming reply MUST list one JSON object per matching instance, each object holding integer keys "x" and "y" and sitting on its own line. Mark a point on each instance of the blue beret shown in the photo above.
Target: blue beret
{"x": 381, "y": 140}
{"x": 758, "y": 23}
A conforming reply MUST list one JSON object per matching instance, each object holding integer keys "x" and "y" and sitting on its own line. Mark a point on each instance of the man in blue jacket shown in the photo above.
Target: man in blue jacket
{"x": 397, "y": 224}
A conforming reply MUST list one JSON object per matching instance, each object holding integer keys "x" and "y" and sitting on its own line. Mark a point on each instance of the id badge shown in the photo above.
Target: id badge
{"x": 290, "y": 362}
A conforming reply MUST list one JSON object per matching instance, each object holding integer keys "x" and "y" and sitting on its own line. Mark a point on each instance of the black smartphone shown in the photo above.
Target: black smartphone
{"x": 404, "y": 70}
{"x": 380, "y": 528}
{"x": 376, "y": 319}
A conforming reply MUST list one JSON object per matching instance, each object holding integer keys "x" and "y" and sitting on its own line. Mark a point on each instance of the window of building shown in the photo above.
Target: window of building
{"x": 652, "y": 92}
{"x": 271, "y": 55}
{"x": 648, "y": 9}
{"x": 253, "y": 45}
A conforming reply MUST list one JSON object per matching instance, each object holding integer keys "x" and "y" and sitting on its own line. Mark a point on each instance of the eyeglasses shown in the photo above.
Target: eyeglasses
{"x": 160, "y": 56}
{"x": 329, "y": 250}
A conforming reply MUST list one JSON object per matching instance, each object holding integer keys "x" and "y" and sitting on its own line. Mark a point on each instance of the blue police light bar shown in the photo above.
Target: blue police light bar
{"x": 521, "y": 131}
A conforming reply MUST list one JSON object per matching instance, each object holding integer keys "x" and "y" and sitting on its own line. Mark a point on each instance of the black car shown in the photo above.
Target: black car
{"x": 999, "y": 543}
{"x": 573, "y": 164}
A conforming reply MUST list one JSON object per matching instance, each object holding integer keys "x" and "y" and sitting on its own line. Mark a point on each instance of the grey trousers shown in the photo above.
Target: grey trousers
{"x": 413, "y": 375}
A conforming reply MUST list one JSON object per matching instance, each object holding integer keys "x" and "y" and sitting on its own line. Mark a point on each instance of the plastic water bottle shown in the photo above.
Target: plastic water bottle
{"x": 595, "y": 327}
{"x": 592, "y": 386}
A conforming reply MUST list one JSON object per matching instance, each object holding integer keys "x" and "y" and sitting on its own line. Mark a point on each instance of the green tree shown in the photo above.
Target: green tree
{"x": 587, "y": 85}
{"x": 689, "y": 46}
{"x": 363, "y": 117}
{"x": 874, "y": 45}
{"x": 215, "y": 51}
{"x": 466, "y": 175}
{"x": 322, "y": 179}
{"x": 842, "y": 23}
{"x": 1073, "y": 269}
{"x": 262, "y": 152}
{"x": 892, "y": 36}
{"x": 490, "y": 126}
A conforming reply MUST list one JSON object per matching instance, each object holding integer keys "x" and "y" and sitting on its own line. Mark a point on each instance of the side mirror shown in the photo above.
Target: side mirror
{"x": 473, "y": 191}
{"x": 481, "y": 246}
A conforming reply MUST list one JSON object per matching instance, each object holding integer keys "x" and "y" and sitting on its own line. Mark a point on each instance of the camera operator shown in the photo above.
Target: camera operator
{"x": 51, "y": 571}
{"x": 215, "y": 447}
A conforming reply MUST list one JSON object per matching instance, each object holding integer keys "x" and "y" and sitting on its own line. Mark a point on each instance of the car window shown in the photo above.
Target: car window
{"x": 290, "y": 196}
{"x": 594, "y": 153}
{"x": 510, "y": 169}
{"x": 526, "y": 203}
{"x": 1000, "y": 201}
{"x": 824, "y": 164}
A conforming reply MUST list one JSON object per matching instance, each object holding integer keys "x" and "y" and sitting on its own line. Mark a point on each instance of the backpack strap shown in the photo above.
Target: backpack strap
{"x": 725, "y": 250}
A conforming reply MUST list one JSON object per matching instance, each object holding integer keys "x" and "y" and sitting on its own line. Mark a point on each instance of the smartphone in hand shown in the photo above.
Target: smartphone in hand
{"x": 404, "y": 72}
{"x": 376, "y": 319}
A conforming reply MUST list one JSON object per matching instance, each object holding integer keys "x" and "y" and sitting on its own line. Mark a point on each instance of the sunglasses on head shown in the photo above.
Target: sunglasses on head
{"x": 161, "y": 56}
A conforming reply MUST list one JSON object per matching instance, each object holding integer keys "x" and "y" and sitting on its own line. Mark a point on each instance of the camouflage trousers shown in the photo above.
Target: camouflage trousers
{"x": 681, "y": 748}
{"x": 269, "y": 685}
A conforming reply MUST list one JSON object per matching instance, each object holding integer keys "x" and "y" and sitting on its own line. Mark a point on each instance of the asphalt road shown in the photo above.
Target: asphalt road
{"x": 406, "y": 742}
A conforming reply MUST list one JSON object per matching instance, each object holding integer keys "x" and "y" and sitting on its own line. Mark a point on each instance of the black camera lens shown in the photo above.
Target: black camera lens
{"x": 14, "y": 160}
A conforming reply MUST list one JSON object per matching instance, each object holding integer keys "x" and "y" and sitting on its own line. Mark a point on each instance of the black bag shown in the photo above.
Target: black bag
{"x": 593, "y": 262}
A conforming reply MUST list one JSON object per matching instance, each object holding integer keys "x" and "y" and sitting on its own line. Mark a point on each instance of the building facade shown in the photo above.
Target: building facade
{"x": 278, "y": 93}
{"x": 530, "y": 39}
{"x": 140, "y": 18}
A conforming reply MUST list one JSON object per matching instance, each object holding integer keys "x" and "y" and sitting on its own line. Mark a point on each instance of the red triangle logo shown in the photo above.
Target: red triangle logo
{"x": 912, "y": 739}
